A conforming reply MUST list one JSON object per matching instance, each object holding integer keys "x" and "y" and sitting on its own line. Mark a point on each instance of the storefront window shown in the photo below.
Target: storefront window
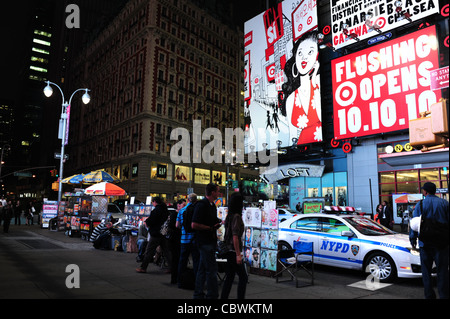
{"x": 134, "y": 170}
{"x": 202, "y": 176}
{"x": 429, "y": 174}
{"x": 387, "y": 189}
{"x": 125, "y": 171}
{"x": 407, "y": 176}
{"x": 411, "y": 181}
{"x": 219, "y": 178}
{"x": 410, "y": 188}
{"x": 387, "y": 177}
{"x": 161, "y": 171}
{"x": 182, "y": 174}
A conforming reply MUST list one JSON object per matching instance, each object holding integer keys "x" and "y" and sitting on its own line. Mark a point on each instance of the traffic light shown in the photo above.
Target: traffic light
{"x": 54, "y": 173}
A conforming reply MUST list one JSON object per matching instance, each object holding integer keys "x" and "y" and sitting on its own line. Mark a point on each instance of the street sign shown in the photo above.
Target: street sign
{"x": 58, "y": 156}
{"x": 23, "y": 174}
{"x": 439, "y": 78}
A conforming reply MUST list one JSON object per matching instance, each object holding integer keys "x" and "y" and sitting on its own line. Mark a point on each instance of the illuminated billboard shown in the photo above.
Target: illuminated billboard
{"x": 381, "y": 88}
{"x": 282, "y": 77}
{"x": 363, "y": 17}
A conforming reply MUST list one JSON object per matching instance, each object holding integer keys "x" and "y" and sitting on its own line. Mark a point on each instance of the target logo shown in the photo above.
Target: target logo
{"x": 381, "y": 22}
{"x": 300, "y": 28}
{"x": 347, "y": 147}
{"x": 326, "y": 30}
{"x": 334, "y": 143}
{"x": 346, "y": 93}
{"x": 444, "y": 11}
{"x": 309, "y": 21}
{"x": 270, "y": 71}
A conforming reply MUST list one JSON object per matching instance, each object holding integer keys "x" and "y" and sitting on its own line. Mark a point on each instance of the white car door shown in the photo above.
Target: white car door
{"x": 335, "y": 249}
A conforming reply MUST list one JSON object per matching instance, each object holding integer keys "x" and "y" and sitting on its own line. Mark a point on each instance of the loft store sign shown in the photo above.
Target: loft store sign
{"x": 291, "y": 170}
{"x": 295, "y": 172}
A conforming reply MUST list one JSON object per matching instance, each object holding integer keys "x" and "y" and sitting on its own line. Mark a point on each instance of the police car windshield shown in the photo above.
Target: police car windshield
{"x": 368, "y": 227}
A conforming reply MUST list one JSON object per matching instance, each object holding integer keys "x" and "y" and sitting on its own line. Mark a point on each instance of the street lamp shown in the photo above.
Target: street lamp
{"x": 48, "y": 91}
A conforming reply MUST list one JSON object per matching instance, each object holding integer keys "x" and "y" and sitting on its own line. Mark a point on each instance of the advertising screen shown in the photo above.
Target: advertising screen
{"x": 282, "y": 77}
{"x": 380, "y": 89}
{"x": 362, "y": 17}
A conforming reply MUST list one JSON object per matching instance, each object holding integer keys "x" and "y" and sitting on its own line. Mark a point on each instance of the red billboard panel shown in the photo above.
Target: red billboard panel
{"x": 382, "y": 88}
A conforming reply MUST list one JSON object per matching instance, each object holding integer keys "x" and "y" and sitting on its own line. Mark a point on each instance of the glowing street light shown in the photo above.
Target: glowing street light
{"x": 48, "y": 91}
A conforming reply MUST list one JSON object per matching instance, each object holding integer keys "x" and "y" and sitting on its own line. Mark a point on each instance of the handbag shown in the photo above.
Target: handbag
{"x": 165, "y": 229}
{"x": 222, "y": 248}
{"x": 432, "y": 232}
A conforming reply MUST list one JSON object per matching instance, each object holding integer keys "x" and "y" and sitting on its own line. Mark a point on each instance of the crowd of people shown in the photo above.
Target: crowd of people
{"x": 190, "y": 231}
{"x": 10, "y": 210}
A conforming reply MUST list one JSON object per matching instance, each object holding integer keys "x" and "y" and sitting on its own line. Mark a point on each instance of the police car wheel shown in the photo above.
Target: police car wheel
{"x": 381, "y": 266}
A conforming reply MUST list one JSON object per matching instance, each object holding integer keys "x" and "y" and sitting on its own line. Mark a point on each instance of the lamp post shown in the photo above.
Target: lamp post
{"x": 48, "y": 91}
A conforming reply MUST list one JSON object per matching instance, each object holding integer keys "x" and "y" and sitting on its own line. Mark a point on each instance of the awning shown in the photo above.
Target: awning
{"x": 416, "y": 157}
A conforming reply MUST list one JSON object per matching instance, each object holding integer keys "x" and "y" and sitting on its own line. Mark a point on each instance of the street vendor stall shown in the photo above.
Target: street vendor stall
{"x": 403, "y": 206}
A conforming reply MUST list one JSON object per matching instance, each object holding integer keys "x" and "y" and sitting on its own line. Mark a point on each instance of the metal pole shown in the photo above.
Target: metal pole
{"x": 371, "y": 199}
{"x": 63, "y": 141}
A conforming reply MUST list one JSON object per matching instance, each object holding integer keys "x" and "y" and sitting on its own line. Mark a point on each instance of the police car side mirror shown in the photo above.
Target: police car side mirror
{"x": 347, "y": 233}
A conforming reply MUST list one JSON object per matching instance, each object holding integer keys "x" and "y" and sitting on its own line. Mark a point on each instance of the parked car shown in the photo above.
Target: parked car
{"x": 115, "y": 212}
{"x": 286, "y": 213}
{"x": 354, "y": 242}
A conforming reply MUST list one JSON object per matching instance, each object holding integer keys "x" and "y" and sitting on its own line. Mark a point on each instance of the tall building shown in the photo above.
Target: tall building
{"x": 43, "y": 48}
{"x": 159, "y": 65}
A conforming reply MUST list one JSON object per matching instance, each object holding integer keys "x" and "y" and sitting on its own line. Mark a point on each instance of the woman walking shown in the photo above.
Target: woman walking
{"x": 234, "y": 230}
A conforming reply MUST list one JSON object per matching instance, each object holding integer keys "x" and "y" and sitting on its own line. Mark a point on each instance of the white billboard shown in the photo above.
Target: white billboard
{"x": 282, "y": 77}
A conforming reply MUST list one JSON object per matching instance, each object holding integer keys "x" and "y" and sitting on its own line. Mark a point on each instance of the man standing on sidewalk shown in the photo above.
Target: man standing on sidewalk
{"x": 205, "y": 223}
{"x": 436, "y": 209}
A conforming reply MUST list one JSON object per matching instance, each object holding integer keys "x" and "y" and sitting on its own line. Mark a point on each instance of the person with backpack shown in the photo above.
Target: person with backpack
{"x": 157, "y": 217}
{"x": 186, "y": 277}
{"x": 433, "y": 249}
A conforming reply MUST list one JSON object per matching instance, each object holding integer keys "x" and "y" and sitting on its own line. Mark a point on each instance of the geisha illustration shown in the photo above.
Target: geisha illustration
{"x": 302, "y": 103}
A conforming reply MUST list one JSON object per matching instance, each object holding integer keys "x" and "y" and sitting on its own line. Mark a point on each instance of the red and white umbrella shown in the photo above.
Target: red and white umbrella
{"x": 105, "y": 189}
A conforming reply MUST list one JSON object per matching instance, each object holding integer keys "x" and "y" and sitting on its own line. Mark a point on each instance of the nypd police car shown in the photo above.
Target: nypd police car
{"x": 354, "y": 242}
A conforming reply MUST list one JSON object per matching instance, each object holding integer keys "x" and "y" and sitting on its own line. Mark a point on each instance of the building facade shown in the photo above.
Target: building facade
{"x": 157, "y": 66}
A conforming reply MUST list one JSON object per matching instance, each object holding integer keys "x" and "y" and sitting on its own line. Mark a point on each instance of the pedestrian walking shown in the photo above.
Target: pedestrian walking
{"x": 157, "y": 217}
{"x": 205, "y": 223}
{"x": 435, "y": 209}
{"x": 234, "y": 230}
{"x": 17, "y": 212}
{"x": 7, "y": 216}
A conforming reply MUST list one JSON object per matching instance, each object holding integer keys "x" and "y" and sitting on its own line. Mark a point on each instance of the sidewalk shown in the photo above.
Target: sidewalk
{"x": 33, "y": 264}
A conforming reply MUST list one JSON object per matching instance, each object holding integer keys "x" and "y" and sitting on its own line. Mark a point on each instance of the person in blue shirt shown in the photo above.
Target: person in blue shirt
{"x": 437, "y": 209}
{"x": 187, "y": 242}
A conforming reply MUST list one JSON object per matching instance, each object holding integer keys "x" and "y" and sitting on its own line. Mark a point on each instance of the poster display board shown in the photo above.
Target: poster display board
{"x": 136, "y": 214}
{"x": 49, "y": 211}
{"x": 261, "y": 236}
